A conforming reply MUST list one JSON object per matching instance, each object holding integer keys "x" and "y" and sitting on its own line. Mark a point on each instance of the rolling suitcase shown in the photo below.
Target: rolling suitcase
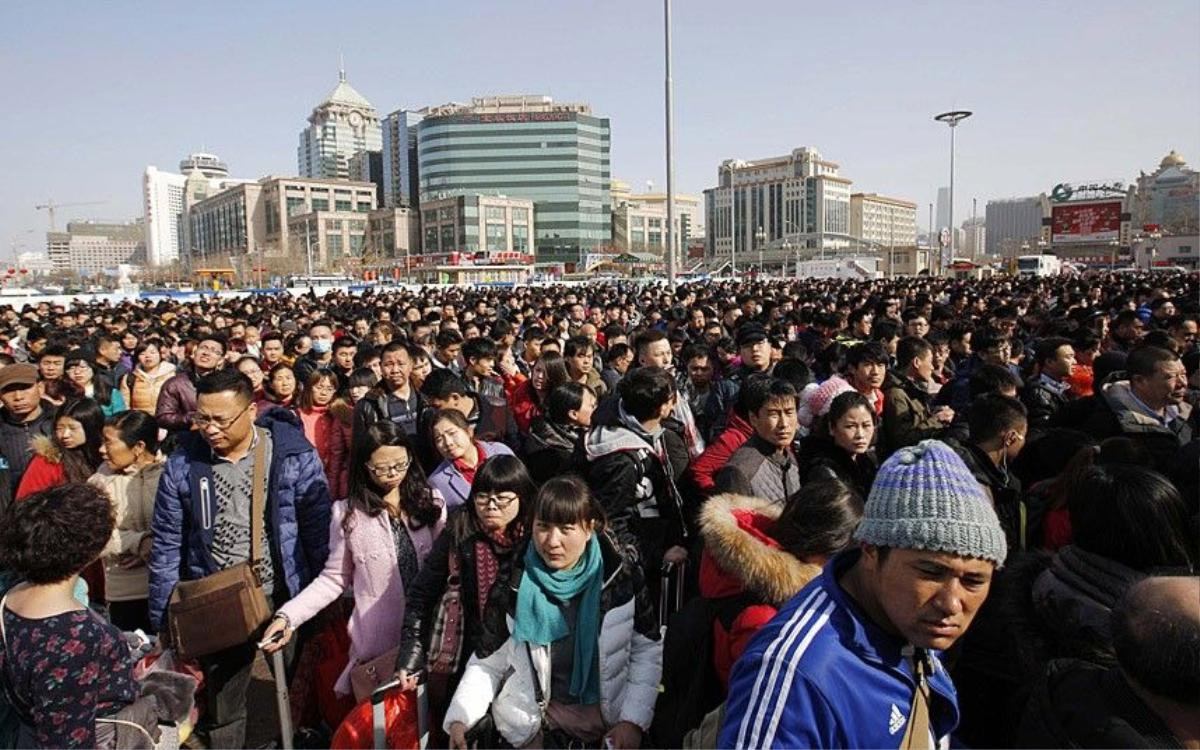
{"x": 379, "y": 715}
{"x": 281, "y": 700}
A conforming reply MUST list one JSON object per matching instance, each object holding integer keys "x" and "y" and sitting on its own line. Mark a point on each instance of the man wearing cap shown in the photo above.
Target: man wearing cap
{"x": 852, "y": 660}
{"x": 755, "y": 351}
{"x": 23, "y": 415}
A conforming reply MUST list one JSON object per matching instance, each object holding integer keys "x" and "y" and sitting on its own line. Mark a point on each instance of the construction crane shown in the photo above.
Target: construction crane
{"x": 50, "y": 207}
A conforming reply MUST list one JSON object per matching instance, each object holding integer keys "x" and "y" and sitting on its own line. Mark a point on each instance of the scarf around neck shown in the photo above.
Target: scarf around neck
{"x": 540, "y": 620}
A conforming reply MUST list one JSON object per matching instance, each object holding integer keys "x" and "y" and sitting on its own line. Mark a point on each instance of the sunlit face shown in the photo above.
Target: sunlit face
{"x": 583, "y": 415}
{"x": 283, "y": 383}
{"x": 941, "y": 353}
{"x": 853, "y": 431}
{"x": 922, "y": 366}
{"x": 656, "y": 354}
{"x": 918, "y": 326}
{"x": 272, "y": 351}
{"x": 324, "y": 390}
{"x": 868, "y": 376}
{"x": 21, "y": 400}
{"x": 537, "y": 376}
{"x": 561, "y": 545}
{"x": 776, "y": 421}
{"x": 757, "y": 355}
{"x": 69, "y": 432}
{"x": 51, "y": 366}
{"x": 357, "y": 393}
{"x": 250, "y": 369}
{"x": 116, "y": 453}
{"x": 223, "y": 419}
{"x": 450, "y": 440}
{"x": 929, "y": 598}
{"x": 80, "y": 373}
{"x": 700, "y": 370}
{"x": 208, "y": 355}
{"x": 150, "y": 358}
{"x": 388, "y": 466}
{"x": 344, "y": 357}
{"x": 496, "y": 510}
{"x": 1167, "y": 386}
{"x": 1062, "y": 364}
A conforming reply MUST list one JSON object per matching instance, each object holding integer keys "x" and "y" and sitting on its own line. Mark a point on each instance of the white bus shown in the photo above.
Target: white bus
{"x": 1039, "y": 265}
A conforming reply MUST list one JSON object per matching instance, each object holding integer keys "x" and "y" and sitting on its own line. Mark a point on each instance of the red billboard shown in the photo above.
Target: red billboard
{"x": 1086, "y": 222}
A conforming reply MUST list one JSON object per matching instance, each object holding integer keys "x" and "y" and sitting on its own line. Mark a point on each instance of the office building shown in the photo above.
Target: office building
{"x": 163, "y": 202}
{"x": 881, "y": 220}
{"x": 367, "y": 166}
{"x": 554, "y": 154}
{"x": 342, "y": 125}
{"x": 393, "y": 237}
{"x": 973, "y": 242}
{"x": 798, "y": 199}
{"x": 943, "y": 210}
{"x": 223, "y": 226}
{"x": 641, "y": 228}
{"x": 89, "y": 247}
{"x": 1011, "y": 222}
{"x": 469, "y": 239}
{"x": 400, "y": 165}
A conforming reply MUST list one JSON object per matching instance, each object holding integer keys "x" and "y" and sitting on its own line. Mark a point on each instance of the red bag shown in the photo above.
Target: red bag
{"x": 169, "y": 661}
{"x": 321, "y": 662}
{"x": 402, "y": 724}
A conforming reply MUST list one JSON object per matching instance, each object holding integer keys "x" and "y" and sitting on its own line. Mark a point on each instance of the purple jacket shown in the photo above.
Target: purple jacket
{"x": 452, "y": 484}
{"x": 365, "y": 559}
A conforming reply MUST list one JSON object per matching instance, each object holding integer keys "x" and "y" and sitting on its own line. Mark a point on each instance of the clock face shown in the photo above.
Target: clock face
{"x": 355, "y": 119}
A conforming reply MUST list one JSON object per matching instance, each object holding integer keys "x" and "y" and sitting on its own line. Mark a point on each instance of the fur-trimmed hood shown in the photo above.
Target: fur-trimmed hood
{"x": 44, "y": 446}
{"x": 737, "y": 537}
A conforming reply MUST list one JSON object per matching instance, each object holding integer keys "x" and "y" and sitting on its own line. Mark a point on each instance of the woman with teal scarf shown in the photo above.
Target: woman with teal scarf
{"x": 571, "y": 643}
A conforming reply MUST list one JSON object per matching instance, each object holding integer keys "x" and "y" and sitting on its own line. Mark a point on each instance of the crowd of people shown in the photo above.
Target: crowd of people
{"x": 759, "y": 513}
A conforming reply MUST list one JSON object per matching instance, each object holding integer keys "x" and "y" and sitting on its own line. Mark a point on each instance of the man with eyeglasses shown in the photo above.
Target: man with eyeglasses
{"x": 177, "y": 400}
{"x": 202, "y": 525}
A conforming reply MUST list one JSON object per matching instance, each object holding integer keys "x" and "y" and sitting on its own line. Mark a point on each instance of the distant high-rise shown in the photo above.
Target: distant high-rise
{"x": 943, "y": 209}
{"x": 338, "y": 127}
{"x": 91, "y": 247}
{"x": 164, "y": 205}
{"x": 555, "y": 154}
{"x": 400, "y": 184}
{"x": 1011, "y": 222}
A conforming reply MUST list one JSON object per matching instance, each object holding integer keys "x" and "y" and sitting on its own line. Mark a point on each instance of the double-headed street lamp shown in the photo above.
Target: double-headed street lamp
{"x": 952, "y": 119}
{"x": 760, "y": 237}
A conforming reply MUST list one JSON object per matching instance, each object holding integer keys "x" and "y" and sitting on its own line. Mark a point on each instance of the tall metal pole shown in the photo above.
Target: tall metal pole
{"x": 308, "y": 248}
{"x": 952, "y": 119}
{"x": 670, "y": 154}
{"x": 732, "y": 225}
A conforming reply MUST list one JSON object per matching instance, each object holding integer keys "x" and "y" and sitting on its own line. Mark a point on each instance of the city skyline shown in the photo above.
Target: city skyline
{"x": 859, "y": 84}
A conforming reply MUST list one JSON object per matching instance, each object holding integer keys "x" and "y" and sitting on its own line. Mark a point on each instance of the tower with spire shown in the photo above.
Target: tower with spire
{"x": 341, "y": 125}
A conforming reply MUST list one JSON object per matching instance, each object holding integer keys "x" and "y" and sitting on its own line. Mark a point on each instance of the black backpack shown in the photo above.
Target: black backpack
{"x": 690, "y": 686}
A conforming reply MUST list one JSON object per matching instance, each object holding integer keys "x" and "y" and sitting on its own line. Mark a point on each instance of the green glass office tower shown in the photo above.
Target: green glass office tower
{"x": 556, "y": 155}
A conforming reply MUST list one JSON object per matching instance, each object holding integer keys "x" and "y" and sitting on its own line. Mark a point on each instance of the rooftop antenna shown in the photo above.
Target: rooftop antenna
{"x": 341, "y": 67}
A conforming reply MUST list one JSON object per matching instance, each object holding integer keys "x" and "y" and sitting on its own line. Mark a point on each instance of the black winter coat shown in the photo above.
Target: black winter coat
{"x": 820, "y": 459}
{"x": 17, "y": 450}
{"x": 549, "y": 449}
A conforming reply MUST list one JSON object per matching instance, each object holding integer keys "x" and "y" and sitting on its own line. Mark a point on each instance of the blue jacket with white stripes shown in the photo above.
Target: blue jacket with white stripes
{"x": 823, "y": 675}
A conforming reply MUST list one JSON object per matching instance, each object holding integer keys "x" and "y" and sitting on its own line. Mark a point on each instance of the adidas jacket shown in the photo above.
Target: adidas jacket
{"x": 821, "y": 675}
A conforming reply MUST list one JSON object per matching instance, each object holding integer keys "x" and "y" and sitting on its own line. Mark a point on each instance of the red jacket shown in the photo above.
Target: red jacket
{"x": 525, "y": 406}
{"x": 741, "y": 556}
{"x": 718, "y": 453}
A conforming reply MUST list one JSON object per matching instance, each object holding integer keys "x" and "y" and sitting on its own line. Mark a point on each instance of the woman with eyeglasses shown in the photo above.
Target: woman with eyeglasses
{"x": 81, "y": 370}
{"x": 454, "y": 439}
{"x": 313, "y": 407}
{"x": 475, "y": 553}
{"x": 379, "y": 538}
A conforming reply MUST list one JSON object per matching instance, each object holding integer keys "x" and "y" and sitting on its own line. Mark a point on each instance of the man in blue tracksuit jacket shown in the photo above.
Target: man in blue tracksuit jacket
{"x": 852, "y": 660}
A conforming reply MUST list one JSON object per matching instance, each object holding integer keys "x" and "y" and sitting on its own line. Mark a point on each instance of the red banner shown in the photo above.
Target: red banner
{"x": 1086, "y": 222}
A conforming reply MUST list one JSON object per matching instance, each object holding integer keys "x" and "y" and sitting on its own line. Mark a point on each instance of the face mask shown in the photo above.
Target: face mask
{"x": 322, "y": 346}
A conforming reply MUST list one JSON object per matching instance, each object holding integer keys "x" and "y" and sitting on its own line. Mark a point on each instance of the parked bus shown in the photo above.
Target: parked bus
{"x": 1039, "y": 265}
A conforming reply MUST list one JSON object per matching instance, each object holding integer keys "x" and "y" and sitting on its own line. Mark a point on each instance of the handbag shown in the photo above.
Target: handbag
{"x": 365, "y": 677}
{"x": 226, "y": 608}
{"x": 446, "y": 636}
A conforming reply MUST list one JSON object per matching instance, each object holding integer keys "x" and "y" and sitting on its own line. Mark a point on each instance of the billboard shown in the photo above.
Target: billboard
{"x": 1098, "y": 221}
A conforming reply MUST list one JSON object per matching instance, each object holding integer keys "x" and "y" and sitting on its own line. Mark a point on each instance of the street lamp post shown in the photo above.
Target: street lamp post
{"x": 760, "y": 237}
{"x": 787, "y": 250}
{"x": 732, "y": 225}
{"x": 952, "y": 119}
{"x": 670, "y": 154}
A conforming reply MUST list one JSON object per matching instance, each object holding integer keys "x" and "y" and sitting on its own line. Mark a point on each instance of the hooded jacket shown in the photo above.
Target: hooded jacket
{"x": 298, "y": 511}
{"x": 132, "y": 493}
{"x": 906, "y": 416}
{"x": 742, "y": 558}
{"x": 1117, "y": 413}
{"x": 1078, "y": 704}
{"x": 549, "y": 448}
{"x": 500, "y": 674}
{"x": 141, "y": 389}
{"x": 823, "y": 674}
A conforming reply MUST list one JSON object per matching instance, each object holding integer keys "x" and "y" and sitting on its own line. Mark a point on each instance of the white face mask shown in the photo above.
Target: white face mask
{"x": 322, "y": 346}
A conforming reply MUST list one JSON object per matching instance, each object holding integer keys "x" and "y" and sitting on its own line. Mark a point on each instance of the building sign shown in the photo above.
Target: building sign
{"x": 505, "y": 118}
{"x": 1063, "y": 192}
{"x": 1086, "y": 222}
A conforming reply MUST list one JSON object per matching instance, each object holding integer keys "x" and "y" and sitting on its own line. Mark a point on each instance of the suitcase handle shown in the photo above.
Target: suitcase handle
{"x": 379, "y": 716}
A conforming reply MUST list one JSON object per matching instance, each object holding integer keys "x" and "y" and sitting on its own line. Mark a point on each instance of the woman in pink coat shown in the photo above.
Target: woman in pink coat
{"x": 378, "y": 539}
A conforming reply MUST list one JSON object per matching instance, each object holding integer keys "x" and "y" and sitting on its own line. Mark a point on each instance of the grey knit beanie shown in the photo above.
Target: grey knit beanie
{"x": 924, "y": 497}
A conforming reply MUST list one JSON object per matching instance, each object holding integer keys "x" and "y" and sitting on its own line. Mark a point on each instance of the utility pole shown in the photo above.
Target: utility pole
{"x": 952, "y": 119}
{"x": 732, "y": 225}
{"x": 670, "y": 154}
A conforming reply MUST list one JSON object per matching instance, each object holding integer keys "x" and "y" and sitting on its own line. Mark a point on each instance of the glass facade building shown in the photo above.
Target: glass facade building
{"x": 557, "y": 159}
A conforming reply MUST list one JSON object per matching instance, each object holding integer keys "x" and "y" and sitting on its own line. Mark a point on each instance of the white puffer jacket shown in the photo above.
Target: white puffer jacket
{"x": 630, "y": 669}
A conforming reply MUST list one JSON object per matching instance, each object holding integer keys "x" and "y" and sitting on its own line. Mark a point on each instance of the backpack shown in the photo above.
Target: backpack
{"x": 690, "y": 686}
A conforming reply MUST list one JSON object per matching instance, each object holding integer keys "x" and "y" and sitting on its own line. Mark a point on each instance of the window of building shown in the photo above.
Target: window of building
{"x": 637, "y": 221}
{"x": 356, "y": 244}
{"x": 655, "y": 223}
{"x": 497, "y": 240}
{"x": 358, "y": 225}
{"x": 520, "y": 238}
{"x": 294, "y": 205}
{"x": 365, "y": 207}
{"x": 430, "y": 217}
{"x": 447, "y": 237}
{"x": 520, "y": 215}
{"x": 656, "y": 238}
{"x": 494, "y": 213}
{"x": 335, "y": 245}
{"x": 343, "y": 205}
{"x": 333, "y": 225}
{"x": 431, "y": 239}
{"x": 445, "y": 213}
{"x": 320, "y": 204}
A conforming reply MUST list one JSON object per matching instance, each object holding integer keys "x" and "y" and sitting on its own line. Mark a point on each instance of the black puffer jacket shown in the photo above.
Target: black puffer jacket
{"x": 1005, "y": 490}
{"x": 1078, "y": 704}
{"x": 17, "y": 450}
{"x": 427, "y": 591}
{"x": 549, "y": 448}
{"x": 1043, "y": 401}
{"x": 820, "y": 459}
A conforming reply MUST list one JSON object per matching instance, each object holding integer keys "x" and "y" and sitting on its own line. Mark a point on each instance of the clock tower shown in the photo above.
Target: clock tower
{"x": 340, "y": 126}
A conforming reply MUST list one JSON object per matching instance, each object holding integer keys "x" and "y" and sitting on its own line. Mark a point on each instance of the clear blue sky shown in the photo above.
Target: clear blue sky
{"x": 1062, "y": 91}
